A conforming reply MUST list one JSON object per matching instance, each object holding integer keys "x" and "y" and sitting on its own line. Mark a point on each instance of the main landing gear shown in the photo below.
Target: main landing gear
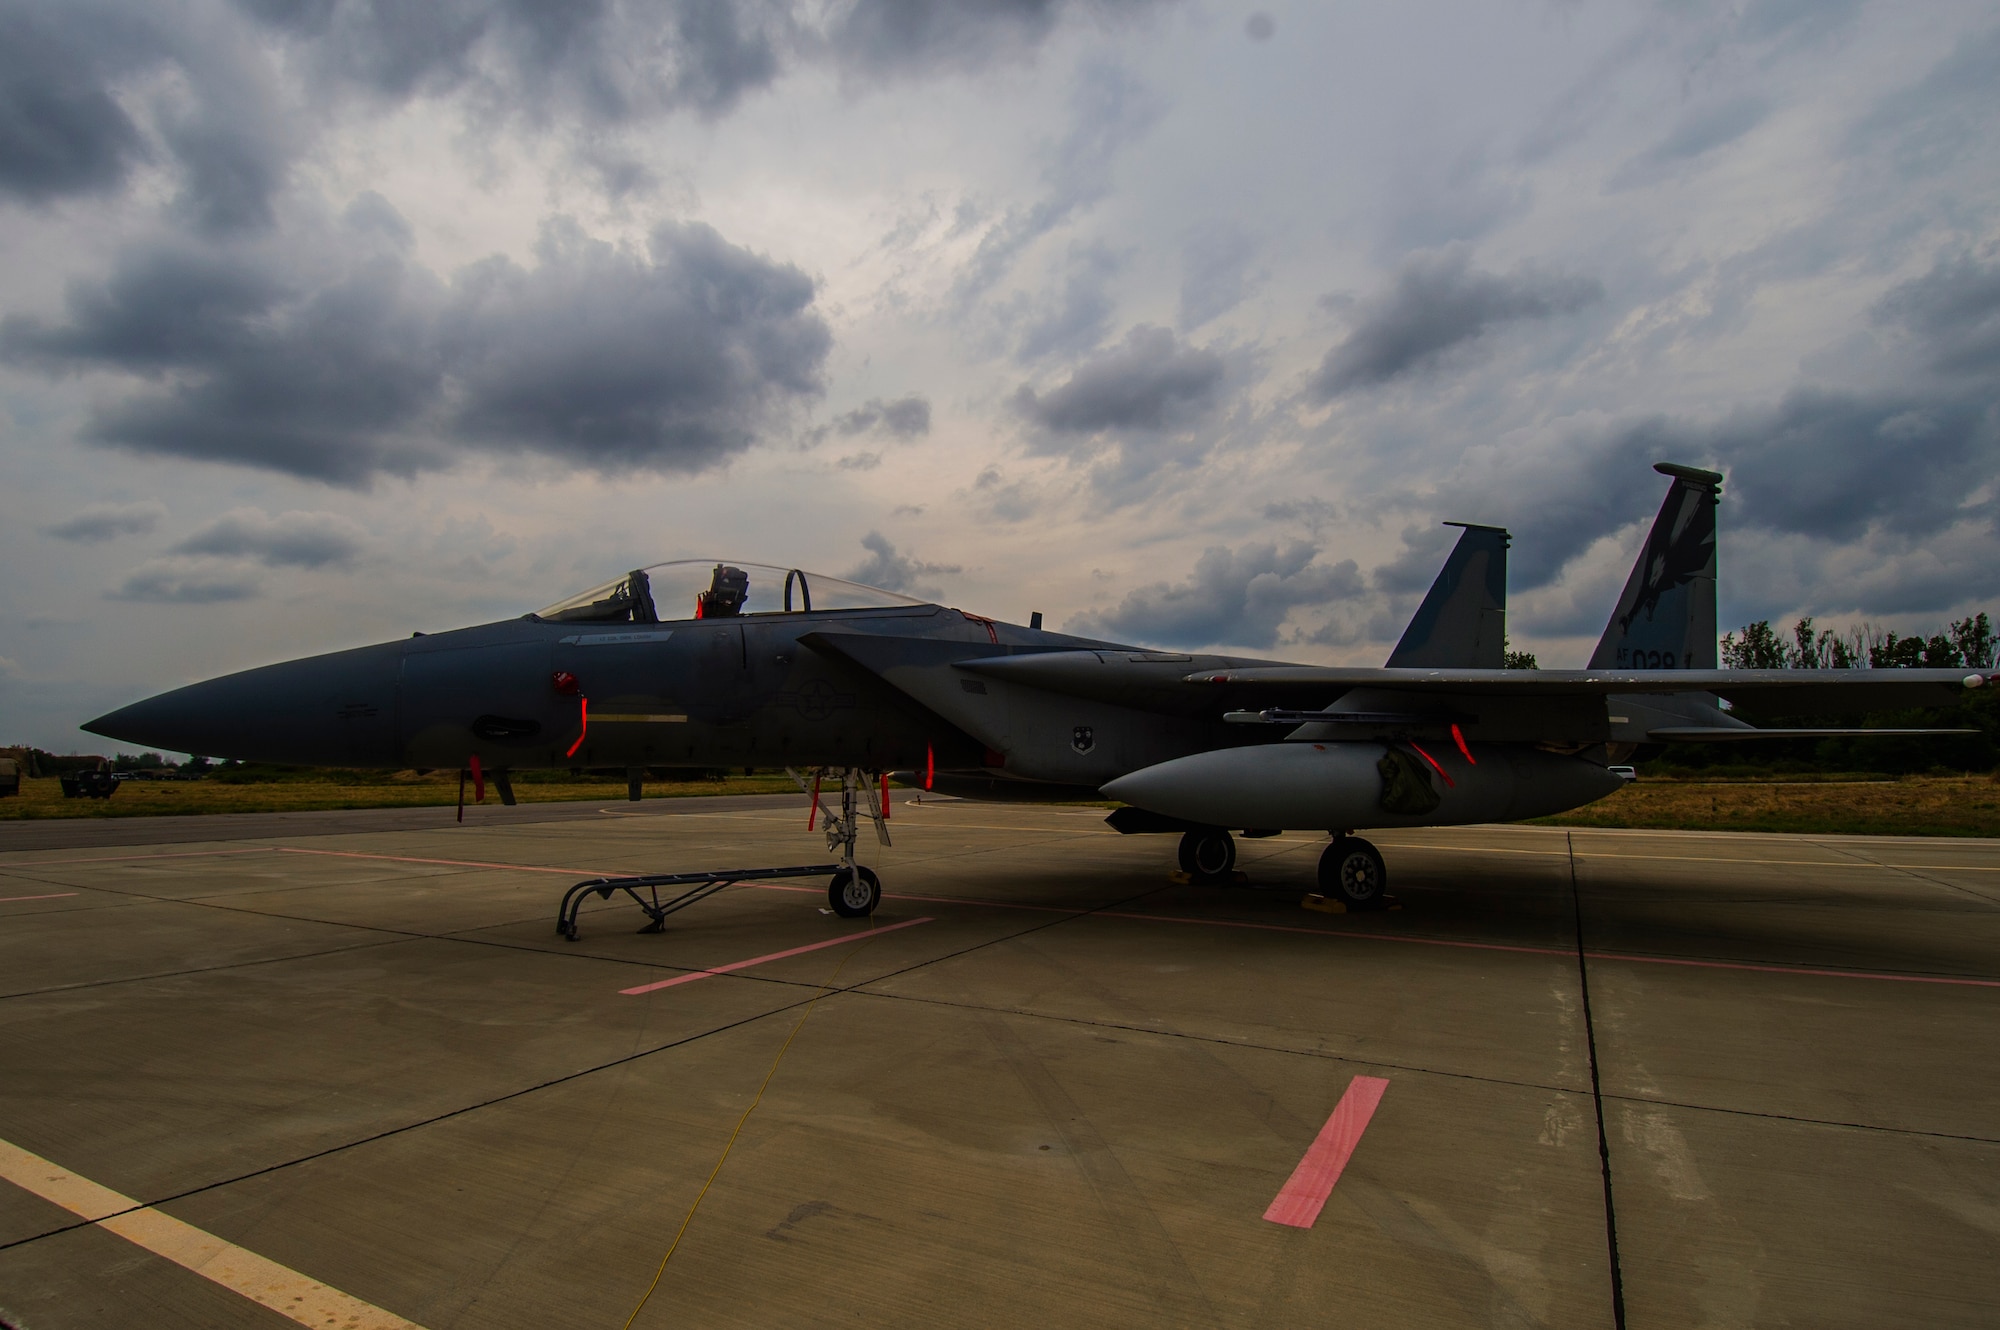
{"x": 1351, "y": 872}
{"x": 1208, "y": 855}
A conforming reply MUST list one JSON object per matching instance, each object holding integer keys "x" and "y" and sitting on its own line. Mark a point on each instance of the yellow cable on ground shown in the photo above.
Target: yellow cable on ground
{"x": 825, "y": 988}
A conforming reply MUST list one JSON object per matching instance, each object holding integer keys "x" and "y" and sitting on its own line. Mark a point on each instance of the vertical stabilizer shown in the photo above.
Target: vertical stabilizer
{"x": 1462, "y": 623}
{"x": 1666, "y": 618}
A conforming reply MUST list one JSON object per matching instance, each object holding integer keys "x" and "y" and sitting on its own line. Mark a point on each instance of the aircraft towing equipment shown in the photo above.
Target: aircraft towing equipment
{"x": 699, "y": 886}
{"x": 852, "y": 889}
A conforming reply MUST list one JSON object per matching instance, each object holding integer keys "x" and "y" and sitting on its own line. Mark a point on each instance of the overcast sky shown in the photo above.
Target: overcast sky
{"x": 324, "y": 321}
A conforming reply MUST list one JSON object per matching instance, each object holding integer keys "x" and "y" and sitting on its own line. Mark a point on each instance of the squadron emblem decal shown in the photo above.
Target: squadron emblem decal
{"x": 1082, "y": 739}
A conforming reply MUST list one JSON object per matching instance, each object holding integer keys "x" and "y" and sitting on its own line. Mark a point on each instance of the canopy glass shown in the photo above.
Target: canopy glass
{"x": 716, "y": 589}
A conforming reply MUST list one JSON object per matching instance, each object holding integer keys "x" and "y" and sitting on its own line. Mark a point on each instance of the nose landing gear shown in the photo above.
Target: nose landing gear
{"x": 855, "y": 891}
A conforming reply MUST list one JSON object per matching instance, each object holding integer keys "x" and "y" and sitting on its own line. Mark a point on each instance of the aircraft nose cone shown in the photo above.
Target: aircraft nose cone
{"x": 168, "y": 722}
{"x": 336, "y": 710}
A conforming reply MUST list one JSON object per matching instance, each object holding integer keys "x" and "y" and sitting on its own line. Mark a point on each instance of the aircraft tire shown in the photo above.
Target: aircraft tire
{"x": 1208, "y": 855}
{"x": 1351, "y": 871}
{"x": 853, "y": 899}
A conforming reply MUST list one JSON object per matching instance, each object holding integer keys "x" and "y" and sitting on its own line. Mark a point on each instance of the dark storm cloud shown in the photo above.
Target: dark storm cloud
{"x": 1892, "y": 468}
{"x": 896, "y": 36}
{"x": 920, "y": 36}
{"x": 61, "y": 132}
{"x": 1954, "y": 311}
{"x": 1437, "y": 305}
{"x": 892, "y": 570}
{"x": 294, "y": 539}
{"x": 311, "y": 363}
{"x": 73, "y": 77}
{"x": 1417, "y": 566}
{"x": 235, "y": 144}
{"x": 599, "y": 59}
{"x": 1237, "y": 597}
{"x": 1832, "y": 466}
{"x": 1556, "y": 503}
{"x": 1149, "y": 382}
{"x": 610, "y": 61}
{"x": 670, "y": 361}
{"x": 107, "y": 521}
{"x": 905, "y": 418}
{"x": 340, "y": 359}
{"x": 65, "y": 126}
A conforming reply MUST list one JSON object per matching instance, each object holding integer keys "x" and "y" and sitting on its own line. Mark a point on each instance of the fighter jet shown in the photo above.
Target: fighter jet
{"x": 713, "y": 663}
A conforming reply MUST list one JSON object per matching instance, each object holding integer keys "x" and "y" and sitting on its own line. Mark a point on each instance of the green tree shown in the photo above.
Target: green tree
{"x": 1758, "y": 649}
{"x": 1974, "y": 640}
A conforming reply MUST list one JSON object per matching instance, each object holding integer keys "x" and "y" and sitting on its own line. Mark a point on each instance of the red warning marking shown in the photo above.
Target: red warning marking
{"x": 1299, "y": 1200}
{"x": 1463, "y": 751}
{"x": 583, "y": 724}
{"x": 774, "y": 956}
{"x": 1449, "y": 782}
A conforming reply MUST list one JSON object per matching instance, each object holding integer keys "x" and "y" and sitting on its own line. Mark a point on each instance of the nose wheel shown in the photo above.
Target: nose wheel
{"x": 854, "y": 892}
{"x": 1351, "y": 872}
{"x": 1208, "y": 855}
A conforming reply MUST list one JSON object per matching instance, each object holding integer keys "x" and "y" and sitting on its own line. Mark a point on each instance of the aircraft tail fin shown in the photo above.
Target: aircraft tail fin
{"x": 1462, "y": 623}
{"x": 1665, "y": 620}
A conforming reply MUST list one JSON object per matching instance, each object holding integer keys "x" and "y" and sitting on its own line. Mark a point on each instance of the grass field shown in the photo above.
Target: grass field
{"x": 1909, "y": 806}
{"x": 301, "y": 792}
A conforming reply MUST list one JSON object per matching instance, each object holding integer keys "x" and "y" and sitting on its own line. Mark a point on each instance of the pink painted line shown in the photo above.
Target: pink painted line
{"x": 774, "y": 956}
{"x": 53, "y": 896}
{"x": 1299, "y": 1200}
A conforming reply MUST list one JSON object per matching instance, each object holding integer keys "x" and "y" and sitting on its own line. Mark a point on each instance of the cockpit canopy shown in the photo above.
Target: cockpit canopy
{"x": 715, "y": 589}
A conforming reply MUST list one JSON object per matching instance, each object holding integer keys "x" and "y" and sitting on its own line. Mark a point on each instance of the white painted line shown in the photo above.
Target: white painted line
{"x": 243, "y": 1272}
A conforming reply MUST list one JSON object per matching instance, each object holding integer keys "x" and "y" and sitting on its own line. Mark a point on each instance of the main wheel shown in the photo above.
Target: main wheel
{"x": 1208, "y": 855}
{"x": 854, "y": 894}
{"x": 1351, "y": 872}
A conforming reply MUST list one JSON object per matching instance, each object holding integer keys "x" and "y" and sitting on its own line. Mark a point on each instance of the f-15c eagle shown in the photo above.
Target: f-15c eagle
{"x": 709, "y": 663}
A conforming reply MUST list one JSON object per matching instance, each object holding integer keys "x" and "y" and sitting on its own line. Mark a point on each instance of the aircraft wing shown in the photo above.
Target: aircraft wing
{"x": 1788, "y": 692}
{"x": 1159, "y": 680}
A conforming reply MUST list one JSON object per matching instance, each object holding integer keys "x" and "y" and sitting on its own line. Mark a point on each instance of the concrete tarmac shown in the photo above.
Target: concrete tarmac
{"x": 249, "y": 1071}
